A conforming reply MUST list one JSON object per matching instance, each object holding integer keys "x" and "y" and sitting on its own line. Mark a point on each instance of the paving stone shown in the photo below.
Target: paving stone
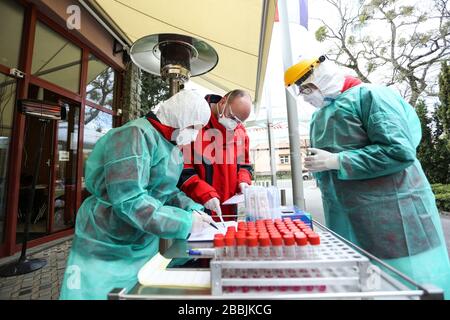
{"x": 42, "y": 284}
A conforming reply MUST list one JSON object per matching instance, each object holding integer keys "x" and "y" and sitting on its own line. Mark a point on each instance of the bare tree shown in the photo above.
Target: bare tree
{"x": 408, "y": 55}
{"x": 100, "y": 90}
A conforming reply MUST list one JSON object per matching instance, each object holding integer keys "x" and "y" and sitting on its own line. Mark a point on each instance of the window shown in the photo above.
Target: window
{"x": 55, "y": 59}
{"x": 7, "y": 103}
{"x": 96, "y": 124}
{"x": 100, "y": 83}
{"x": 11, "y": 25}
{"x": 284, "y": 159}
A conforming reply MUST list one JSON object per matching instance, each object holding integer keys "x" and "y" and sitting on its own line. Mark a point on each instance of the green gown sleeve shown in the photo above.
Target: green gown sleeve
{"x": 392, "y": 127}
{"x": 181, "y": 200}
{"x": 128, "y": 159}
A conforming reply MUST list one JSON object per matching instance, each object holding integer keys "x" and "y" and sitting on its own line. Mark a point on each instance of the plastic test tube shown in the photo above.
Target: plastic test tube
{"x": 230, "y": 255}
{"x": 314, "y": 240}
{"x": 277, "y": 254}
{"x": 252, "y": 253}
{"x": 265, "y": 254}
{"x": 301, "y": 251}
{"x": 241, "y": 248}
{"x": 219, "y": 246}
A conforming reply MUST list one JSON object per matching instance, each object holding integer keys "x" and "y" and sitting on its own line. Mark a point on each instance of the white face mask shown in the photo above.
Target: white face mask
{"x": 228, "y": 123}
{"x": 185, "y": 136}
{"x": 317, "y": 99}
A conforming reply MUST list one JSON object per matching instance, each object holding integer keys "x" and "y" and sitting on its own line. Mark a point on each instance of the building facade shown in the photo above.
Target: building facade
{"x": 57, "y": 52}
{"x": 260, "y": 157}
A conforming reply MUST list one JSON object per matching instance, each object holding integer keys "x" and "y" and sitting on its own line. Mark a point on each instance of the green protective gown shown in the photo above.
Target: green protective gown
{"x": 132, "y": 175}
{"x": 380, "y": 198}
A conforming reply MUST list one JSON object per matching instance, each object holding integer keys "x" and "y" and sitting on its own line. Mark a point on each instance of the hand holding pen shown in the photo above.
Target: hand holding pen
{"x": 206, "y": 218}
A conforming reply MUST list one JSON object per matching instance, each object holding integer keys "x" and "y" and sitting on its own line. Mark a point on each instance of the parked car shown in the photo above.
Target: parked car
{"x": 306, "y": 175}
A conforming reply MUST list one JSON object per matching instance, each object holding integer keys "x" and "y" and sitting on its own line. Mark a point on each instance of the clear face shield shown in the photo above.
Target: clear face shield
{"x": 293, "y": 91}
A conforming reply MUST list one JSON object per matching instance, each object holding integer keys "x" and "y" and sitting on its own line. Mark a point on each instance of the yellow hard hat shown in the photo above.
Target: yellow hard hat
{"x": 300, "y": 71}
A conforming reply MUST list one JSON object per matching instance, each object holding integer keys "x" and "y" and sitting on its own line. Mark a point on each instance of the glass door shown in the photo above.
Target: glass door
{"x": 54, "y": 204}
{"x": 65, "y": 163}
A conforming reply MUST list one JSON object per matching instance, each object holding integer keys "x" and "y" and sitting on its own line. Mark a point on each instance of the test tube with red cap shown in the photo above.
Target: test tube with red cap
{"x": 241, "y": 248}
{"x": 253, "y": 254}
{"x": 314, "y": 241}
{"x": 230, "y": 254}
{"x": 230, "y": 243}
{"x": 265, "y": 254}
{"x": 289, "y": 254}
{"x": 289, "y": 246}
{"x": 277, "y": 246}
{"x": 219, "y": 246}
{"x": 301, "y": 251}
{"x": 277, "y": 253}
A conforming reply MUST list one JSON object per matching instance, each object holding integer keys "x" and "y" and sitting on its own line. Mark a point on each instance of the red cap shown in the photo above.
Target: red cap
{"x": 276, "y": 240}
{"x": 231, "y": 229}
{"x": 301, "y": 239}
{"x": 219, "y": 242}
{"x": 314, "y": 239}
{"x": 242, "y": 226}
{"x": 278, "y": 220}
{"x": 287, "y": 219}
{"x": 264, "y": 241}
{"x": 289, "y": 240}
{"x": 218, "y": 235}
{"x": 230, "y": 241}
{"x": 252, "y": 241}
{"x": 241, "y": 239}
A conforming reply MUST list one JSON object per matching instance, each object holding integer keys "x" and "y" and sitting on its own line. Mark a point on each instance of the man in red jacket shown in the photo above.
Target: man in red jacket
{"x": 217, "y": 164}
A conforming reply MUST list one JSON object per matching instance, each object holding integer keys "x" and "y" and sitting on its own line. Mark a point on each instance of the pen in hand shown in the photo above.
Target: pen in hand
{"x": 207, "y": 221}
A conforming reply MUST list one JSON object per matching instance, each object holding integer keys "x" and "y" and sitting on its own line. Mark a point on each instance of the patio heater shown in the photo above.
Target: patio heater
{"x": 175, "y": 58}
{"x": 44, "y": 112}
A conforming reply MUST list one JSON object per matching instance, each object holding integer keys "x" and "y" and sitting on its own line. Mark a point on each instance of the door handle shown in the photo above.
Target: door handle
{"x": 48, "y": 163}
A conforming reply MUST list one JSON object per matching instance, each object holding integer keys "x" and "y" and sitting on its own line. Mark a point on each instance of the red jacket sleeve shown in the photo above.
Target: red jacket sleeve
{"x": 195, "y": 188}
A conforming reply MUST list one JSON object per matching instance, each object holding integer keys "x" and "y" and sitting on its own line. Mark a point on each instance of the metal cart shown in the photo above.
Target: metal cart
{"x": 344, "y": 271}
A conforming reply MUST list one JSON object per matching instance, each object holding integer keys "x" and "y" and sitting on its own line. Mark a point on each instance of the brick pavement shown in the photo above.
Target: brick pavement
{"x": 43, "y": 284}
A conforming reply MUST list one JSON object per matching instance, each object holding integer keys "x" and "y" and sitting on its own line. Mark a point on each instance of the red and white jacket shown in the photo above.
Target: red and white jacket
{"x": 215, "y": 167}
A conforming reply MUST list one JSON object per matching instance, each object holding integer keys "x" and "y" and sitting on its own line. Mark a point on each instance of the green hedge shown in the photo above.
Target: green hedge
{"x": 442, "y": 193}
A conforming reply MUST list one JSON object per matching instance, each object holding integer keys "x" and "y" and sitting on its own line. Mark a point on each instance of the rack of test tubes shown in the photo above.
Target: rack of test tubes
{"x": 284, "y": 256}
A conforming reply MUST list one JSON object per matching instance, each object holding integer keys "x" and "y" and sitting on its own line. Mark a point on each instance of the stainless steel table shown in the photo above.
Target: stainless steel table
{"x": 392, "y": 284}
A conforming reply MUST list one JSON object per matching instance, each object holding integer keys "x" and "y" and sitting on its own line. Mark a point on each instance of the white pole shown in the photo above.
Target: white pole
{"x": 273, "y": 164}
{"x": 291, "y": 104}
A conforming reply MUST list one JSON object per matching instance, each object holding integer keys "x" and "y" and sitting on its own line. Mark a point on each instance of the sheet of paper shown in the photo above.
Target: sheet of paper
{"x": 154, "y": 274}
{"x": 237, "y": 198}
{"x": 208, "y": 233}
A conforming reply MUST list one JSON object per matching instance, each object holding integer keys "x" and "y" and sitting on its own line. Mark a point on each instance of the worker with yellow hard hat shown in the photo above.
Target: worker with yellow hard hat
{"x": 374, "y": 191}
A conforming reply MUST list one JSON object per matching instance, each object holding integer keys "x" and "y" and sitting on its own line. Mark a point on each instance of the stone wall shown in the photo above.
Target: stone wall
{"x": 131, "y": 102}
